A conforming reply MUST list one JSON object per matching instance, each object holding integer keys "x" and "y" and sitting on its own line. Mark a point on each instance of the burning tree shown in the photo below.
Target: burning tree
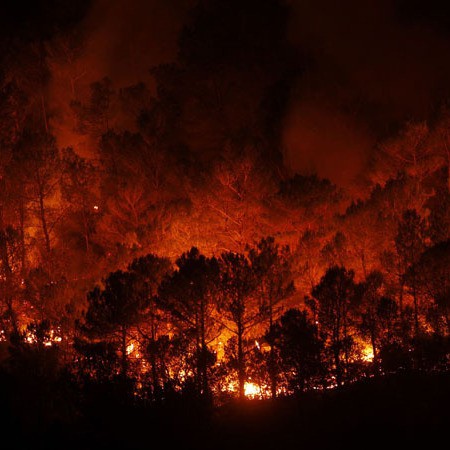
{"x": 300, "y": 348}
{"x": 150, "y": 270}
{"x": 114, "y": 310}
{"x": 272, "y": 268}
{"x": 238, "y": 304}
{"x": 335, "y": 294}
{"x": 188, "y": 296}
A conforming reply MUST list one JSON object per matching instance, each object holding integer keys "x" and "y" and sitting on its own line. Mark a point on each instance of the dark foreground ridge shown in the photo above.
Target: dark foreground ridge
{"x": 394, "y": 411}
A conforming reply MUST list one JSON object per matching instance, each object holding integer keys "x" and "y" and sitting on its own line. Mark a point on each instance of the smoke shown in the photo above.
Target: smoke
{"x": 125, "y": 38}
{"x": 321, "y": 139}
{"x": 371, "y": 66}
{"x": 119, "y": 39}
{"x": 375, "y": 67}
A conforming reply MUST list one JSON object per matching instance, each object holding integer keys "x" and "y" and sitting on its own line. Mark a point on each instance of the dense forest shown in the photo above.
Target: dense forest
{"x": 159, "y": 240}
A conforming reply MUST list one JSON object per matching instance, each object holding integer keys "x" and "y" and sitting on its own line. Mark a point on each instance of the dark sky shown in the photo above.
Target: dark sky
{"x": 371, "y": 65}
{"x": 375, "y": 64}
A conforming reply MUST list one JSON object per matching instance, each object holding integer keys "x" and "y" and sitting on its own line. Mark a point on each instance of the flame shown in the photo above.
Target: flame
{"x": 130, "y": 348}
{"x": 53, "y": 338}
{"x": 367, "y": 353}
{"x": 251, "y": 390}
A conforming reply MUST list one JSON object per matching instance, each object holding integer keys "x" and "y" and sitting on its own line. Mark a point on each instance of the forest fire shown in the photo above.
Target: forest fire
{"x": 53, "y": 337}
{"x": 367, "y": 354}
{"x": 252, "y": 390}
{"x": 209, "y": 202}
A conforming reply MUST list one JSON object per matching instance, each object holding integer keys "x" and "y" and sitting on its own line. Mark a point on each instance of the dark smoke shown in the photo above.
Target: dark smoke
{"x": 377, "y": 64}
{"x": 369, "y": 67}
{"x": 119, "y": 39}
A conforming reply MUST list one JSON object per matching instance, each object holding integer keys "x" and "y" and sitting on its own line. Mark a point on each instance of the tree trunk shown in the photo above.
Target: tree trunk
{"x": 337, "y": 362}
{"x": 346, "y": 354}
{"x": 373, "y": 342}
{"x": 337, "y": 347}
{"x": 154, "y": 369}
{"x": 8, "y": 276}
{"x": 124, "y": 351}
{"x": 416, "y": 307}
{"x": 23, "y": 260}
{"x": 272, "y": 365}
{"x": 241, "y": 368}
{"x": 198, "y": 362}
{"x": 204, "y": 350}
{"x": 42, "y": 215}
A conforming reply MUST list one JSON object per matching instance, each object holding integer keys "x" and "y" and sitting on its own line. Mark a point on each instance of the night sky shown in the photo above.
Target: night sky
{"x": 355, "y": 71}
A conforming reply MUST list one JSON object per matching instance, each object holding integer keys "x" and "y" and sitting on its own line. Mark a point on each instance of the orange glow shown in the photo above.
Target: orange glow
{"x": 251, "y": 390}
{"x": 367, "y": 353}
{"x": 130, "y": 348}
{"x": 53, "y": 338}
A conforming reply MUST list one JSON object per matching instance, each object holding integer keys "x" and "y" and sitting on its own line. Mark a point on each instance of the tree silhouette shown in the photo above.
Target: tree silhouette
{"x": 431, "y": 277}
{"x": 150, "y": 270}
{"x": 237, "y": 304}
{"x": 9, "y": 278}
{"x": 410, "y": 243}
{"x": 40, "y": 170}
{"x": 114, "y": 309}
{"x": 300, "y": 348}
{"x": 188, "y": 295}
{"x": 79, "y": 188}
{"x": 439, "y": 207}
{"x": 272, "y": 267}
{"x": 368, "y": 293}
{"x": 335, "y": 294}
